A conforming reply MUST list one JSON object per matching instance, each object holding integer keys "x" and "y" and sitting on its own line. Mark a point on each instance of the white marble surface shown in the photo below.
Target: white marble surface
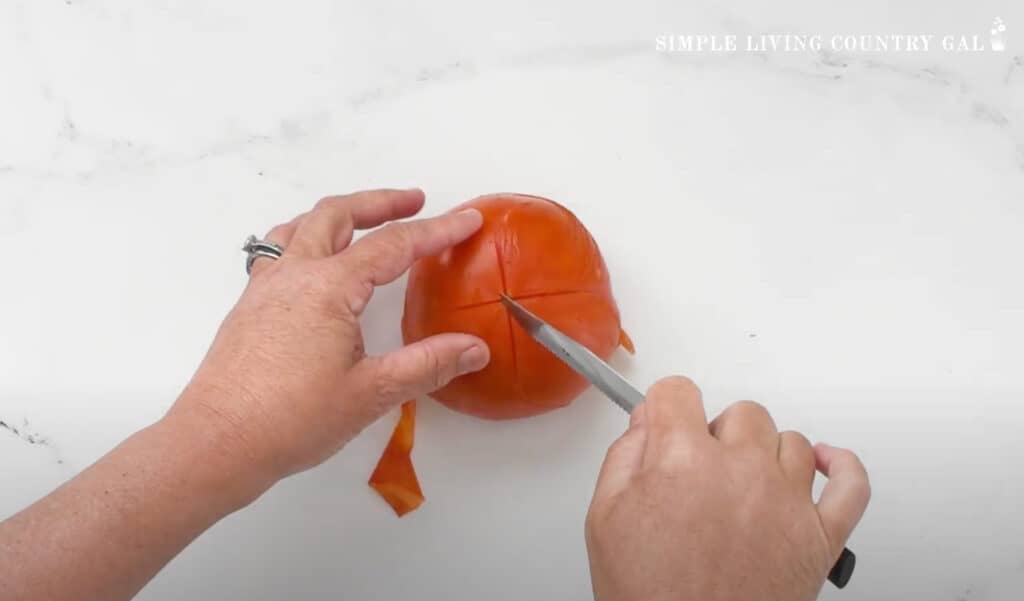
{"x": 838, "y": 235}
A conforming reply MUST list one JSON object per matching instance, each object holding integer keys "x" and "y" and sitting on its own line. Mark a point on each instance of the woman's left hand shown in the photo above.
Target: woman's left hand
{"x": 287, "y": 381}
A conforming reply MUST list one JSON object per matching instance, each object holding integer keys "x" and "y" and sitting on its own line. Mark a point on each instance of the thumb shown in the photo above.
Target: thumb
{"x": 421, "y": 368}
{"x": 845, "y": 497}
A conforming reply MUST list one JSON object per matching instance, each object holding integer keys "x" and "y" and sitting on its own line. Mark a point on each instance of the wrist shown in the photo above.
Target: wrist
{"x": 216, "y": 460}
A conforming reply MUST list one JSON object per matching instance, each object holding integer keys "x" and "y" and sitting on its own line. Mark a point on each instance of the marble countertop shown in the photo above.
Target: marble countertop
{"x": 835, "y": 232}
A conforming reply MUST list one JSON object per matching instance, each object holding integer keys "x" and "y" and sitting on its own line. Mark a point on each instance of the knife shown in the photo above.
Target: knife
{"x": 619, "y": 390}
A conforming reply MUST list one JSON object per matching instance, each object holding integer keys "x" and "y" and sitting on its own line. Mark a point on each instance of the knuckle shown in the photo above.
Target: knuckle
{"x": 749, "y": 407}
{"x": 848, "y": 458}
{"x": 864, "y": 490}
{"x": 796, "y": 438}
{"x": 867, "y": 491}
{"x": 621, "y": 443}
{"x": 638, "y": 418}
{"x": 325, "y": 203}
{"x": 393, "y": 241}
{"x": 595, "y": 525}
{"x": 746, "y": 411}
{"x": 851, "y": 459}
{"x": 397, "y": 233}
{"x": 431, "y": 365}
{"x": 387, "y": 386}
{"x": 674, "y": 386}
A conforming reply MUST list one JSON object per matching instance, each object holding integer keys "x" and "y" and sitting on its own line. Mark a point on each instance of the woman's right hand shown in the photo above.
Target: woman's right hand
{"x": 717, "y": 512}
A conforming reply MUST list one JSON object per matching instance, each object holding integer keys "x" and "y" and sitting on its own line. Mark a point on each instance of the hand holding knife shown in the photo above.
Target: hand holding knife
{"x": 619, "y": 390}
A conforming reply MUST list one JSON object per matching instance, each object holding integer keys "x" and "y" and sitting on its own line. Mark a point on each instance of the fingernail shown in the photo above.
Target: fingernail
{"x": 472, "y": 359}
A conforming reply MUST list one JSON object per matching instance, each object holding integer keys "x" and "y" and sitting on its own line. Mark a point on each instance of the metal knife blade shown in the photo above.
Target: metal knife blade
{"x": 577, "y": 356}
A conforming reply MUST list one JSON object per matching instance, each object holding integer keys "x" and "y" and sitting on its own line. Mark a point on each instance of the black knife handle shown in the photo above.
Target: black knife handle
{"x": 843, "y": 569}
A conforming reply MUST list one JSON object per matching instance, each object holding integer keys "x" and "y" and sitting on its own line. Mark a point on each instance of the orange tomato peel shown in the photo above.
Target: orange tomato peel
{"x": 395, "y": 479}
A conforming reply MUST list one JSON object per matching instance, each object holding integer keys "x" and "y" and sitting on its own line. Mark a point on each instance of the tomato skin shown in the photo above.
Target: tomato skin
{"x": 539, "y": 253}
{"x": 394, "y": 478}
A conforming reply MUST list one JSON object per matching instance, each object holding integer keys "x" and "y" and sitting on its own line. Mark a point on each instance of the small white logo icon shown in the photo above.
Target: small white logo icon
{"x": 998, "y": 32}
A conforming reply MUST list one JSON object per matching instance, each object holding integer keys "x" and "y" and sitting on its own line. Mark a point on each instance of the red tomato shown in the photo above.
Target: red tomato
{"x": 539, "y": 253}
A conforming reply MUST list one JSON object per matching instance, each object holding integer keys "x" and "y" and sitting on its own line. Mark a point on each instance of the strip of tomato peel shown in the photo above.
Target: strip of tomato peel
{"x": 395, "y": 479}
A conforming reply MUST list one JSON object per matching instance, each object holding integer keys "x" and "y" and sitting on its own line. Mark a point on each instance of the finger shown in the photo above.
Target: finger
{"x": 797, "y": 459}
{"x": 329, "y": 227}
{"x": 746, "y": 423}
{"x": 417, "y": 369}
{"x": 675, "y": 403}
{"x": 384, "y": 255}
{"x": 280, "y": 235}
{"x": 845, "y": 496}
{"x": 623, "y": 460}
{"x": 673, "y": 414}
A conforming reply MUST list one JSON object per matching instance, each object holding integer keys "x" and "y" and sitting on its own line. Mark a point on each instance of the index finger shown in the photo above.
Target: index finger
{"x": 673, "y": 410}
{"x": 329, "y": 227}
{"x": 382, "y": 256}
{"x": 675, "y": 403}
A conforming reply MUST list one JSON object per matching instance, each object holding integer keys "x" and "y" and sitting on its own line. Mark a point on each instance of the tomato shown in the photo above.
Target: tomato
{"x": 537, "y": 252}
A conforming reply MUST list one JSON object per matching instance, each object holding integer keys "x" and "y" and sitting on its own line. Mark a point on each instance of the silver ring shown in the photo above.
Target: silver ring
{"x": 257, "y": 248}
